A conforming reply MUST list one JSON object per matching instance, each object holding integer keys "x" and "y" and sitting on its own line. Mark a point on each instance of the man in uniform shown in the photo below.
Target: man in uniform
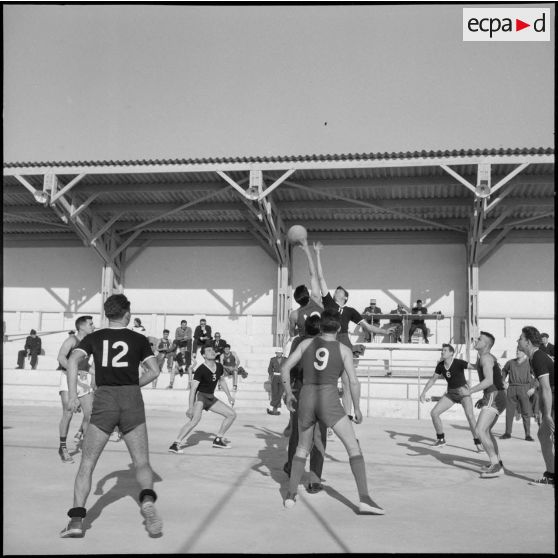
{"x": 203, "y": 398}
{"x": 492, "y": 404}
{"x": 543, "y": 370}
{"x": 453, "y": 370}
{"x": 84, "y": 326}
{"x": 324, "y": 359}
{"x": 118, "y": 353}
{"x": 276, "y": 384}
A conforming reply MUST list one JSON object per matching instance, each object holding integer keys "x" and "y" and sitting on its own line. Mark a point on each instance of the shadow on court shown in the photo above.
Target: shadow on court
{"x": 125, "y": 486}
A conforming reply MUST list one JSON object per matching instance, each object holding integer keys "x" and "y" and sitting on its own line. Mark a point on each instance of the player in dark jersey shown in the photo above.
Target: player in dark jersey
{"x": 492, "y": 404}
{"x": 203, "y": 398}
{"x": 453, "y": 370}
{"x": 542, "y": 366}
{"x": 324, "y": 359}
{"x": 117, "y": 353}
{"x": 84, "y": 326}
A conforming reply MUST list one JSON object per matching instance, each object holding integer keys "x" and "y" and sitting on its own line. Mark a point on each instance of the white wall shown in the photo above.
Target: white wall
{"x": 235, "y": 287}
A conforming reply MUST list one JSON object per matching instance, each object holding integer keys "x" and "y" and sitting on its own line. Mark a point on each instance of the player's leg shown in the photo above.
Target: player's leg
{"x": 468, "y": 408}
{"x": 138, "y": 446}
{"x": 525, "y": 407}
{"x": 441, "y": 407}
{"x": 344, "y": 430}
{"x": 63, "y": 428}
{"x": 172, "y": 374}
{"x": 487, "y": 419}
{"x": 511, "y": 404}
{"x": 86, "y": 404}
{"x": 305, "y": 440}
{"x": 230, "y": 416}
{"x": 188, "y": 426}
{"x": 317, "y": 455}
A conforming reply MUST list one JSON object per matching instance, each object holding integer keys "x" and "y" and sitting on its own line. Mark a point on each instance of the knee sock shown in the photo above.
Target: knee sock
{"x": 62, "y": 441}
{"x": 440, "y": 436}
{"x": 359, "y": 472}
{"x": 297, "y": 470}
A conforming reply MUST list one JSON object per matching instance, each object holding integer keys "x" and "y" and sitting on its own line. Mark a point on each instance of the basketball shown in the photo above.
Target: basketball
{"x": 297, "y": 233}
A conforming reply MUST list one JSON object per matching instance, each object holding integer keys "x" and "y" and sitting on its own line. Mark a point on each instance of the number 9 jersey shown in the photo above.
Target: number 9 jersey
{"x": 117, "y": 353}
{"x": 322, "y": 363}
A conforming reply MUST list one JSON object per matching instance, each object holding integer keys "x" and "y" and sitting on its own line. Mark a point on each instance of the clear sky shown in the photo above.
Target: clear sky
{"x": 135, "y": 81}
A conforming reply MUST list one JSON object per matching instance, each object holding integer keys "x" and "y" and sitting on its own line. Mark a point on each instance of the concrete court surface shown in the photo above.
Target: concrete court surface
{"x": 231, "y": 501}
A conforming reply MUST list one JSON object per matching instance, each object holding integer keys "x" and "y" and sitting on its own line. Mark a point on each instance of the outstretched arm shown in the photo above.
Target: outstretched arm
{"x": 314, "y": 283}
{"x": 318, "y": 247}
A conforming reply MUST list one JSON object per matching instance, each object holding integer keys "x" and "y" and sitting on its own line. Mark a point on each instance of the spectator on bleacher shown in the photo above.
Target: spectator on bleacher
{"x": 397, "y": 323}
{"x": 546, "y": 347}
{"x": 183, "y": 336}
{"x": 183, "y": 364}
{"x": 231, "y": 365}
{"x": 368, "y": 312}
{"x": 518, "y": 392}
{"x": 202, "y": 335}
{"x": 165, "y": 350}
{"x": 218, "y": 345}
{"x": 138, "y": 327}
{"x": 276, "y": 383}
{"x": 418, "y": 323}
{"x": 31, "y": 349}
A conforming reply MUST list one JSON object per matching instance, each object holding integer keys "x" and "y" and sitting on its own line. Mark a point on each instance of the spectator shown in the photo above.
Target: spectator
{"x": 218, "y": 345}
{"x": 183, "y": 336}
{"x": 165, "y": 352}
{"x": 546, "y": 347}
{"x": 231, "y": 365}
{"x": 31, "y": 349}
{"x": 138, "y": 327}
{"x": 202, "y": 334}
{"x": 397, "y": 323}
{"x": 518, "y": 392}
{"x": 274, "y": 371}
{"x": 368, "y": 312}
{"x": 419, "y": 323}
{"x": 184, "y": 364}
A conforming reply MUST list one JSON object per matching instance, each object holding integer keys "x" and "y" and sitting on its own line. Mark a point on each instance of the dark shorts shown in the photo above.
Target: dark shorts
{"x": 495, "y": 401}
{"x": 120, "y": 406}
{"x": 458, "y": 394}
{"x": 319, "y": 403}
{"x": 208, "y": 399}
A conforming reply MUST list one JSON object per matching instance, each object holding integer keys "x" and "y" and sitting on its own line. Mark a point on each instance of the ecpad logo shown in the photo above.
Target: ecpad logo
{"x": 506, "y": 24}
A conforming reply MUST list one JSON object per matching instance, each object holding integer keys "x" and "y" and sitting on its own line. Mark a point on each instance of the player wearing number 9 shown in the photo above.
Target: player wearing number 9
{"x": 118, "y": 353}
{"x": 324, "y": 360}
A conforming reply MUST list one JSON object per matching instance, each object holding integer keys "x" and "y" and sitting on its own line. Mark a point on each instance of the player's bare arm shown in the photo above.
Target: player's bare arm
{"x": 192, "y": 398}
{"x": 546, "y": 398}
{"x": 318, "y": 247}
{"x": 151, "y": 371}
{"x": 487, "y": 363}
{"x": 286, "y": 367}
{"x": 66, "y": 347}
{"x": 314, "y": 283}
{"x": 225, "y": 388}
{"x": 73, "y": 360}
{"x": 429, "y": 384}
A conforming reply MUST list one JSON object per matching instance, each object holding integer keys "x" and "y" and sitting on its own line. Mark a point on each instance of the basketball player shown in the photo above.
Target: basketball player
{"x": 202, "y": 398}
{"x": 118, "y": 353}
{"x": 543, "y": 369}
{"x": 492, "y": 404}
{"x": 324, "y": 359}
{"x": 84, "y": 326}
{"x": 453, "y": 370}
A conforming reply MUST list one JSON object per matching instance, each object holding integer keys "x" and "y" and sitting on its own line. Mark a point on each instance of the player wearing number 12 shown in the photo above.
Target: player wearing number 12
{"x": 118, "y": 353}
{"x": 324, "y": 359}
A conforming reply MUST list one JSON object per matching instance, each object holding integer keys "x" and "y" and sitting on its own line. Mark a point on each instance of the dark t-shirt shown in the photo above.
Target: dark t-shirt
{"x": 117, "y": 354}
{"x": 208, "y": 379}
{"x": 542, "y": 365}
{"x": 455, "y": 375}
{"x": 346, "y": 314}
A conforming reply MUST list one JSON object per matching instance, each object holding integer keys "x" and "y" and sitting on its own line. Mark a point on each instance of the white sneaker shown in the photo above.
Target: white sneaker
{"x": 153, "y": 523}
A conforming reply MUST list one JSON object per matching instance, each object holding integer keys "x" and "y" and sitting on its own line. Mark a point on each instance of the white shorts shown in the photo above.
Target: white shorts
{"x": 81, "y": 391}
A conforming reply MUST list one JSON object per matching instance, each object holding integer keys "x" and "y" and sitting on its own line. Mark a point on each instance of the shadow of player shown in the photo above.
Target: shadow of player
{"x": 125, "y": 485}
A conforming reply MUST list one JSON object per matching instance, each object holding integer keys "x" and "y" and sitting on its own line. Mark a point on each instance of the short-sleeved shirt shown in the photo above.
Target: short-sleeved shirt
{"x": 183, "y": 334}
{"x": 455, "y": 374}
{"x": 519, "y": 372}
{"x": 310, "y": 309}
{"x": 346, "y": 314}
{"x": 543, "y": 365}
{"x": 117, "y": 354}
{"x": 497, "y": 380}
{"x": 207, "y": 378}
{"x": 322, "y": 362}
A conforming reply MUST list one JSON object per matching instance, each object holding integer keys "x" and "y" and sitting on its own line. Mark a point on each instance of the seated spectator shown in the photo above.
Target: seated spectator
{"x": 183, "y": 336}
{"x": 397, "y": 323}
{"x": 546, "y": 347}
{"x": 368, "y": 312}
{"x": 183, "y": 362}
{"x": 31, "y": 349}
{"x": 231, "y": 365}
{"x": 219, "y": 345}
{"x": 138, "y": 327}
{"x": 202, "y": 334}
{"x": 418, "y": 323}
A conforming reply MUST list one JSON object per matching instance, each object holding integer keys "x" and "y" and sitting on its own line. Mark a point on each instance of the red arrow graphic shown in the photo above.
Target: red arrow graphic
{"x": 519, "y": 25}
